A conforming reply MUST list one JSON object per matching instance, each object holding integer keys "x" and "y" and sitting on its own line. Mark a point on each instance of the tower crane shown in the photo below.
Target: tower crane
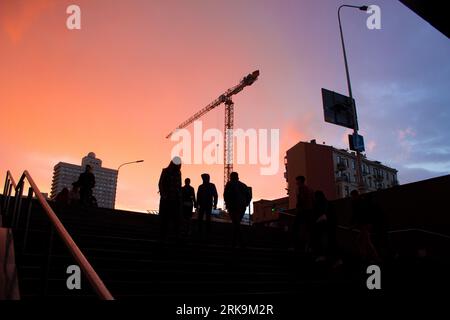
{"x": 224, "y": 98}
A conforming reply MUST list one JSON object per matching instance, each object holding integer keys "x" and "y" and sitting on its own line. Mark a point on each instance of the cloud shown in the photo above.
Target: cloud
{"x": 407, "y": 119}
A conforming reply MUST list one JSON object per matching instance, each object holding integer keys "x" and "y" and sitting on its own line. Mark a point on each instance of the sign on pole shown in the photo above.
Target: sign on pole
{"x": 356, "y": 142}
{"x": 338, "y": 109}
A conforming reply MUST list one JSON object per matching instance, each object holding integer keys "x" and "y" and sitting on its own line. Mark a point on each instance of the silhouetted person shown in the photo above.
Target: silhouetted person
{"x": 170, "y": 201}
{"x": 237, "y": 197}
{"x": 206, "y": 200}
{"x": 189, "y": 202}
{"x": 303, "y": 217}
{"x": 86, "y": 181}
{"x": 363, "y": 220}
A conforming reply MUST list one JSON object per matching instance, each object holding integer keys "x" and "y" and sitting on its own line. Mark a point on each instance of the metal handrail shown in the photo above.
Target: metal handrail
{"x": 75, "y": 251}
{"x": 11, "y": 179}
{"x": 10, "y": 184}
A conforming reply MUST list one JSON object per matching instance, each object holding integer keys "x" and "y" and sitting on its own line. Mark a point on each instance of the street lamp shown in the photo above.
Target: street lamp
{"x": 137, "y": 161}
{"x": 355, "y": 117}
{"x": 123, "y": 164}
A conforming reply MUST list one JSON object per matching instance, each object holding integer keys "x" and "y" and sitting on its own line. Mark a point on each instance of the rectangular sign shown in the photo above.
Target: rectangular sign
{"x": 356, "y": 142}
{"x": 338, "y": 109}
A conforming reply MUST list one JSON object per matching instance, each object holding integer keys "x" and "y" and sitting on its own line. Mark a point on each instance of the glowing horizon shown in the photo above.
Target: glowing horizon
{"x": 136, "y": 69}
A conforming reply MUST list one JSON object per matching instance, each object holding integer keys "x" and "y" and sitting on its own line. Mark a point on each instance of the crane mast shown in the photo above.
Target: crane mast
{"x": 224, "y": 98}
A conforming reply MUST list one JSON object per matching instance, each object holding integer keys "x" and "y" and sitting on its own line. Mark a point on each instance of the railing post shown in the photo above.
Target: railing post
{"x": 6, "y": 182}
{"x": 3, "y": 202}
{"x": 8, "y": 199}
{"x": 19, "y": 208}
{"x": 27, "y": 226}
{"x": 17, "y": 204}
{"x": 5, "y": 190}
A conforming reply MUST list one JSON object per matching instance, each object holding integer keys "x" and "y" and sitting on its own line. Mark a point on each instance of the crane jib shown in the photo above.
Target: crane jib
{"x": 224, "y": 98}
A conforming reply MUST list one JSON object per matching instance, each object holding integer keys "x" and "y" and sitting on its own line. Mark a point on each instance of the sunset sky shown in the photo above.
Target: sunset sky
{"x": 137, "y": 68}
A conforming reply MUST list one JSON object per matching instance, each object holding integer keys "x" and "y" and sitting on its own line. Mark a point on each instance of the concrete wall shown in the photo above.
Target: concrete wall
{"x": 423, "y": 204}
{"x": 420, "y": 205}
{"x": 262, "y": 209}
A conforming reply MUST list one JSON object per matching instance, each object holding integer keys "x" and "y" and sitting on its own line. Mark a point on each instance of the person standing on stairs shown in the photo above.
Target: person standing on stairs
{"x": 189, "y": 202}
{"x": 237, "y": 197}
{"x": 86, "y": 181}
{"x": 206, "y": 200}
{"x": 170, "y": 202}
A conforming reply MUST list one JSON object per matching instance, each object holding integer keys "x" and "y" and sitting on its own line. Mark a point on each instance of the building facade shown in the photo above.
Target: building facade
{"x": 269, "y": 210}
{"x": 333, "y": 171}
{"x": 65, "y": 174}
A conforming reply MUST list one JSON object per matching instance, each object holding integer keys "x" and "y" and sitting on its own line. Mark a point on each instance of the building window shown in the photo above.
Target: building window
{"x": 365, "y": 169}
{"x": 347, "y": 191}
{"x": 353, "y": 164}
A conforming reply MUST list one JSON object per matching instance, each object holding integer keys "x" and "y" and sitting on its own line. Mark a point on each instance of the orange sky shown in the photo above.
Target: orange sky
{"x": 117, "y": 87}
{"x": 137, "y": 69}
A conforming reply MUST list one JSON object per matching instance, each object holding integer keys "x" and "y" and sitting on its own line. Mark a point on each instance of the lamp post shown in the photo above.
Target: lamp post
{"x": 118, "y": 169}
{"x": 359, "y": 176}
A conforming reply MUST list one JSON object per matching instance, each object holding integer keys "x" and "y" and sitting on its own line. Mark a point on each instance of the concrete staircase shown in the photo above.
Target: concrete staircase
{"x": 123, "y": 248}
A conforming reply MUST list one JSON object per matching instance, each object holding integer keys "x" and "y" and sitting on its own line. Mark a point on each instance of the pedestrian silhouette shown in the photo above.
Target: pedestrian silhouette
{"x": 237, "y": 197}
{"x": 189, "y": 202}
{"x": 170, "y": 198}
{"x": 303, "y": 217}
{"x": 86, "y": 181}
{"x": 206, "y": 200}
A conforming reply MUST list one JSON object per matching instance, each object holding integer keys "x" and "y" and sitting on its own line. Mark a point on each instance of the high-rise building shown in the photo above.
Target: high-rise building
{"x": 65, "y": 174}
{"x": 333, "y": 171}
